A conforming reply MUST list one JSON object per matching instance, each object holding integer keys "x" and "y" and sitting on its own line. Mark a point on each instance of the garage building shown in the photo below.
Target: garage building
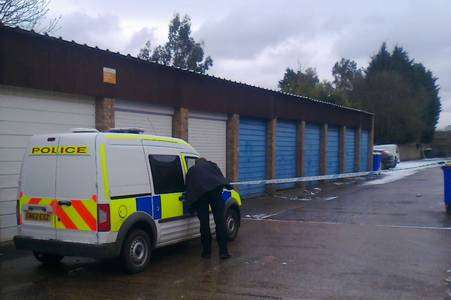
{"x": 51, "y": 85}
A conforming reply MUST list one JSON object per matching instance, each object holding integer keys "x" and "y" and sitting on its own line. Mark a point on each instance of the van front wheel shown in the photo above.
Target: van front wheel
{"x": 232, "y": 223}
{"x": 136, "y": 251}
{"x": 45, "y": 258}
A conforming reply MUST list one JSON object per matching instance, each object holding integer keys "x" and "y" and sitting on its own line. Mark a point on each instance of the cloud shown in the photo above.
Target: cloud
{"x": 103, "y": 30}
{"x": 268, "y": 66}
{"x": 138, "y": 39}
{"x": 100, "y": 30}
{"x": 244, "y": 33}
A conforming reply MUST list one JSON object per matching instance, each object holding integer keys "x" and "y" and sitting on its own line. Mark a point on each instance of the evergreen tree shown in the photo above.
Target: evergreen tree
{"x": 417, "y": 92}
{"x": 181, "y": 50}
{"x": 346, "y": 73}
{"x": 403, "y": 94}
{"x": 306, "y": 83}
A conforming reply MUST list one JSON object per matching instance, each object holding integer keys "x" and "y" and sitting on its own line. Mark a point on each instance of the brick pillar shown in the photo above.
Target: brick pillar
{"x": 233, "y": 146}
{"x": 358, "y": 136}
{"x": 300, "y": 128}
{"x": 271, "y": 152}
{"x": 323, "y": 150}
{"x": 104, "y": 113}
{"x": 180, "y": 123}
{"x": 371, "y": 145}
{"x": 342, "y": 149}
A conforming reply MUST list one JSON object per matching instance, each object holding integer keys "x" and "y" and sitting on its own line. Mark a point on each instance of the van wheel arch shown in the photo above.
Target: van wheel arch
{"x": 233, "y": 204}
{"x": 138, "y": 220}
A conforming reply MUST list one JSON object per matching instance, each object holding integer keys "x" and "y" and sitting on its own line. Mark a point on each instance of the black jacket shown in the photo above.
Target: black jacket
{"x": 201, "y": 178}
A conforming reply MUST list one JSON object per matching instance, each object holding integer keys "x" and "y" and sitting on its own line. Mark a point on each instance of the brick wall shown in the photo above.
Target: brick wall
{"x": 104, "y": 109}
{"x": 232, "y": 146}
{"x": 271, "y": 152}
{"x": 180, "y": 123}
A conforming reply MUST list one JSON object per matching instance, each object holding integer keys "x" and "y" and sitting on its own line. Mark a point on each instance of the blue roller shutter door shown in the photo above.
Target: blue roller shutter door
{"x": 350, "y": 150}
{"x": 364, "y": 151}
{"x": 252, "y": 162}
{"x": 311, "y": 149}
{"x": 333, "y": 154}
{"x": 285, "y": 152}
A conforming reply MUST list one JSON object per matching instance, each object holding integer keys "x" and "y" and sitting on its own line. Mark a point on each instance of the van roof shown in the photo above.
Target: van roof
{"x": 144, "y": 137}
{"x": 169, "y": 141}
{"x": 130, "y": 136}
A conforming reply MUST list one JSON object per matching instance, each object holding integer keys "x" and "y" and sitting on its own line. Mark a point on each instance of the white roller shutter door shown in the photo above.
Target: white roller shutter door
{"x": 24, "y": 112}
{"x": 207, "y": 133}
{"x": 153, "y": 119}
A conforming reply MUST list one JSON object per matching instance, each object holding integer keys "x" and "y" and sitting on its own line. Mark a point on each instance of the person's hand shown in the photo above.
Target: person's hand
{"x": 228, "y": 186}
{"x": 182, "y": 197}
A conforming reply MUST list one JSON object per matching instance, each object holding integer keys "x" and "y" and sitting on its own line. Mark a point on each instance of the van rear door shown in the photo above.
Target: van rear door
{"x": 76, "y": 193}
{"x": 37, "y": 188}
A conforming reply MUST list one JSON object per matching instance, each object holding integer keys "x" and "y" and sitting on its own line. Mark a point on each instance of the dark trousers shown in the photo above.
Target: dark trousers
{"x": 212, "y": 198}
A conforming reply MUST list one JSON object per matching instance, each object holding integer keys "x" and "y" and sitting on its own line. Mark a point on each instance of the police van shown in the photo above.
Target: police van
{"x": 108, "y": 194}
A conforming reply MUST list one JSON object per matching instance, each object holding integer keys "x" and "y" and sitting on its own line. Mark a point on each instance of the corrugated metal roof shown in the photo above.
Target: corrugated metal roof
{"x": 129, "y": 56}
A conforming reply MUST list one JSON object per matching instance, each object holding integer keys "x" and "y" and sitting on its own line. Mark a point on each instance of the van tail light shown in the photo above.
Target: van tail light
{"x": 103, "y": 217}
{"x": 19, "y": 217}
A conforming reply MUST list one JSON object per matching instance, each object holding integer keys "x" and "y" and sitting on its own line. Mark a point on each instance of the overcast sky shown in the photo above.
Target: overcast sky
{"x": 254, "y": 41}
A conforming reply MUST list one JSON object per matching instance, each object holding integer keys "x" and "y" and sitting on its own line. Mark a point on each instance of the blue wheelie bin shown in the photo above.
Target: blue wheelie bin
{"x": 377, "y": 161}
{"x": 447, "y": 184}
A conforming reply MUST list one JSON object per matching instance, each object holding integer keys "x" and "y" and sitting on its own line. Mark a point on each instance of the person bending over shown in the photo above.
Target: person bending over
{"x": 204, "y": 184}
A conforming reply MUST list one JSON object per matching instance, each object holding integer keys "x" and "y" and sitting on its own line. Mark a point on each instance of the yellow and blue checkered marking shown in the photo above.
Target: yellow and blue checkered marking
{"x": 165, "y": 206}
{"x": 226, "y": 195}
{"x": 150, "y": 205}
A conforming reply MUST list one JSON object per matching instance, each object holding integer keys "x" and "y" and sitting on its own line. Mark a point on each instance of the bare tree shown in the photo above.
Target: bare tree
{"x": 27, "y": 14}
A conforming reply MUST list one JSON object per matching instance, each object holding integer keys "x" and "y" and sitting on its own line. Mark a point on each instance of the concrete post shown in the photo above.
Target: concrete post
{"x": 323, "y": 149}
{"x": 300, "y": 129}
{"x": 180, "y": 123}
{"x": 271, "y": 152}
{"x": 233, "y": 146}
{"x": 104, "y": 113}
{"x": 358, "y": 137}
{"x": 342, "y": 153}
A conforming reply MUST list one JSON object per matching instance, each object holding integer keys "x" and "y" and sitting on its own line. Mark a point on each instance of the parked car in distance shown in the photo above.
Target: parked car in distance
{"x": 388, "y": 159}
{"x": 391, "y": 148}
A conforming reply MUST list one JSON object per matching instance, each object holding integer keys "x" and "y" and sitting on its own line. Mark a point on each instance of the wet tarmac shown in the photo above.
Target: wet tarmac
{"x": 390, "y": 241}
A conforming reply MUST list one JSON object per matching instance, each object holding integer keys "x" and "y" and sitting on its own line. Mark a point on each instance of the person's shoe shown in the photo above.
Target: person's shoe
{"x": 206, "y": 255}
{"x": 224, "y": 255}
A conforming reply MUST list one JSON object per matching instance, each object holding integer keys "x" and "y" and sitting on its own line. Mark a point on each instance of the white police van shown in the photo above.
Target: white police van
{"x": 108, "y": 194}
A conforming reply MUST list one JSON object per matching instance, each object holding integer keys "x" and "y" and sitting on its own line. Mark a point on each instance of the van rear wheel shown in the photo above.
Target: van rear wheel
{"x": 136, "y": 251}
{"x": 49, "y": 259}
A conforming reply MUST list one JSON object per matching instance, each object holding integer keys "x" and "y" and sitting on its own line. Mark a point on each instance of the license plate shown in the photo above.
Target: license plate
{"x": 33, "y": 216}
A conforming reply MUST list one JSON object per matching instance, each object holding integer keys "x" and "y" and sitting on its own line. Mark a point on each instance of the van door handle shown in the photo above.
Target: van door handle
{"x": 64, "y": 202}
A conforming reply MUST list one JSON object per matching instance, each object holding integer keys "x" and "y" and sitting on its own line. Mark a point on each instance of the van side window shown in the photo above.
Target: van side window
{"x": 167, "y": 174}
{"x": 190, "y": 161}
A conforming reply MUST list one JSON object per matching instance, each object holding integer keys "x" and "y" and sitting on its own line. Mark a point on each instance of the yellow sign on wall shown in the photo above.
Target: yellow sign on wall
{"x": 60, "y": 150}
{"x": 109, "y": 75}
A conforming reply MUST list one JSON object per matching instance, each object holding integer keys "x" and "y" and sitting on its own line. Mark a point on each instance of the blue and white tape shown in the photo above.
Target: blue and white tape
{"x": 305, "y": 178}
{"x": 331, "y": 177}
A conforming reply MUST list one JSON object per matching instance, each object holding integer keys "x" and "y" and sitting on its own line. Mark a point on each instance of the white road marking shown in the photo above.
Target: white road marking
{"x": 416, "y": 227}
{"x": 338, "y": 223}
